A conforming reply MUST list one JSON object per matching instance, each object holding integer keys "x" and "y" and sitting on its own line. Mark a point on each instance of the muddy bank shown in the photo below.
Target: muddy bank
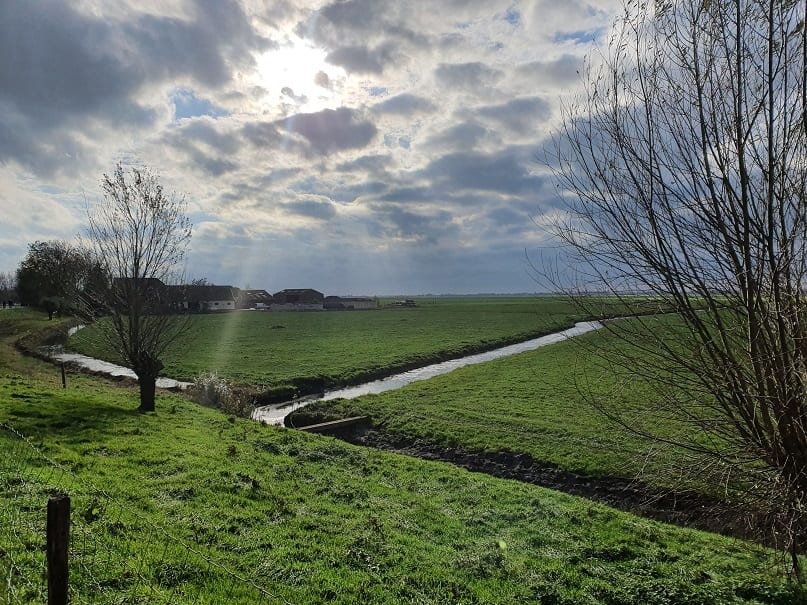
{"x": 685, "y": 509}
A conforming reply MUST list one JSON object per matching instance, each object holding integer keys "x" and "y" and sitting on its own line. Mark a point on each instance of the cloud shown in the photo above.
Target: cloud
{"x": 406, "y": 104}
{"x": 519, "y": 115}
{"x": 563, "y": 71}
{"x": 393, "y": 221}
{"x": 321, "y": 210}
{"x": 289, "y": 92}
{"x": 354, "y": 14}
{"x": 412, "y": 146}
{"x": 462, "y": 136}
{"x": 467, "y": 76}
{"x": 331, "y": 130}
{"x": 360, "y": 59}
{"x": 262, "y": 134}
{"x": 503, "y": 172}
{"x": 323, "y": 80}
{"x": 63, "y": 71}
{"x": 372, "y": 164}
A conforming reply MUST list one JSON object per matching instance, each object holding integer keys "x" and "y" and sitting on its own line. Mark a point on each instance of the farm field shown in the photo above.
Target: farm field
{"x": 324, "y": 349}
{"x": 187, "y": 505}
{"x": 536, "y": 403}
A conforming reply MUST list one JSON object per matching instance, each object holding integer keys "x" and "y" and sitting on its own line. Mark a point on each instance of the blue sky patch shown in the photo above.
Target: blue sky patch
{"x": 580, "y": 37}
{"x": 188, "y": 105}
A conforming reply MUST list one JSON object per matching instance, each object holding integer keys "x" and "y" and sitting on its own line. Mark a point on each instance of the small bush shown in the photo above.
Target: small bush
{"x": 210, "y": 390}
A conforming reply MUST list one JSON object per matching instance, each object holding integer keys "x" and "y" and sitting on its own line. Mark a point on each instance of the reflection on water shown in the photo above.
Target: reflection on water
{"x": 276, "y": 414}
{"x": 57, "y": 353}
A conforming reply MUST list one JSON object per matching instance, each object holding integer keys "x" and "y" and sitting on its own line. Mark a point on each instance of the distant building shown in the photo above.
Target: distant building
{"x": 334, "y": 303}
{"x": 303, "y": 299}
{"x": 148, "y": 291}
{"x": 206, "y": 298}
{"x": 254, "y": 299}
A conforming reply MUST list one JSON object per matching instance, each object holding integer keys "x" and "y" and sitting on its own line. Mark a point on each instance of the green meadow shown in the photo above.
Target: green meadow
{"x": 313, "y": 350}
{"x": 537, "y": 403}
{"x": 187, "y": 505}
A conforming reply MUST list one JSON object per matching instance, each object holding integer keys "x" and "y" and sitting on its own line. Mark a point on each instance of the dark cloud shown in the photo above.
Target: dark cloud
{"x": 358, "y": 20}
{"x": 405, "y": 105}
{"x": 288, "y": 92}
{"x": 361, "y": 59}
{"x": 331, "y": 129}
{"x": 60, "y": 68}
{"x": 409, "y": 194}
{"x": 467, "y": 76}
{"x": 262, "y": 134}
{"x": 463, "y": 136}
{"x": 323, "y": 80}
{"x": 563, "y": 71}
{"x": 209, "y": 164}
{"x": 205, "y": 146}
{"x": 311, "y": 209}
{"x": 519, "y": 115}
{"x": 393, "y": 221}
{"x": 205, "y": 131}
{"x": 354, "y": 14}
{"x": 373, "y": 164}
{"x": 503, "y": 173}
{"x": 506, "y": 217}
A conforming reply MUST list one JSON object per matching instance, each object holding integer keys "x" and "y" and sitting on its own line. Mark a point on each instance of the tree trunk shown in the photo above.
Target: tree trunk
{"x": 147, "y": 372}
{"x": 148, "y": 386}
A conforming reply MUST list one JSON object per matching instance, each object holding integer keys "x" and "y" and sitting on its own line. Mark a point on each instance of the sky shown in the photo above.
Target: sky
{"x": 362, "y": 147}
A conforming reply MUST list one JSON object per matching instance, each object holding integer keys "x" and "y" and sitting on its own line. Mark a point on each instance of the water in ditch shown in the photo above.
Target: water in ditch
{"x": 57, "y": 353}
{"x": 276, "y": 414}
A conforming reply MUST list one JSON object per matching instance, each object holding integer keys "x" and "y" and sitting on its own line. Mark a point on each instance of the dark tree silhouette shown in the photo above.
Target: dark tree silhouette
{"x": 52, "y": 275}
{"x": 685, "y": 165}
{"x": 138, "y": 234}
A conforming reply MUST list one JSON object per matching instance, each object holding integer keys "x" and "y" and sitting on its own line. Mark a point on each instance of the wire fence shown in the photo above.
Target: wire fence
{"x": 117, "y": 554}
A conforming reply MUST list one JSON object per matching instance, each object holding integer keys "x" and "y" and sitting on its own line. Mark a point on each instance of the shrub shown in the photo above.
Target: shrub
{"x": 210, "y": 390}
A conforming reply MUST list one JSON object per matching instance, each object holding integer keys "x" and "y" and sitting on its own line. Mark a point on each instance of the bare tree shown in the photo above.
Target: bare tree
{"x": 139, "y": 235}
{"x": 8, "y": 284}
{"x": 684, "y": 165}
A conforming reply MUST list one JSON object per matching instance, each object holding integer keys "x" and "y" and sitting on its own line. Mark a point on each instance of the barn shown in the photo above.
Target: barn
{"x": 299, "y": 299}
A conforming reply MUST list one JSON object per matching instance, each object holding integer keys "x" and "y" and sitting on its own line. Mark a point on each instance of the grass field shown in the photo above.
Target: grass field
{"x": 184, "y": 505}
{"x": 315, "y": 350}
{"x": 536, "y": 403}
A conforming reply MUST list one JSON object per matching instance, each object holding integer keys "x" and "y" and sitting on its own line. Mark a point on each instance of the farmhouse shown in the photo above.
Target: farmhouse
{"x": 200, "y": 299}
{"x": 333, "y": 303}
{"x": 303, "y": 299}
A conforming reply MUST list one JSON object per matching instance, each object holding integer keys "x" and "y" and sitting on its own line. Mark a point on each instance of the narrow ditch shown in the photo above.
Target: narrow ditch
{"x": 686, "y": 509}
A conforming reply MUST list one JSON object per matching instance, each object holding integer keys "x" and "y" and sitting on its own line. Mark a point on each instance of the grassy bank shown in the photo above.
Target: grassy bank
{"x": 324, "y": 349}
{"x": 537, "y": 403}
{"x": 186, "y": 505}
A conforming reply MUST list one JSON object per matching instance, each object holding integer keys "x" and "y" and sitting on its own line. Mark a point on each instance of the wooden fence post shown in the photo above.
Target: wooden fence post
{"x": 64, "y": 377}
{"x": 58, "y": 545}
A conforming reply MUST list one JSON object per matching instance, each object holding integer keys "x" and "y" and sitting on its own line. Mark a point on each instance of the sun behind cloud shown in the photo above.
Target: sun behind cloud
{"x": 296, "y": 75}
